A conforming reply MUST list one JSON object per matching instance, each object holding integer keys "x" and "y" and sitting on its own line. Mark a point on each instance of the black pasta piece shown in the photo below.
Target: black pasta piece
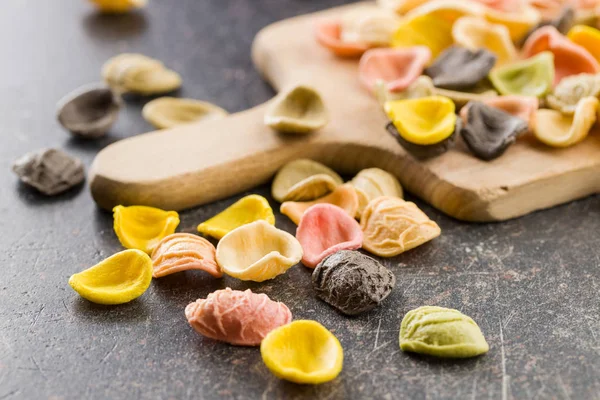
{"x": 489, "y": 131}
{"x": 352, "y": 282}
{"x": 458, "y": 68}
{"x": 51, "y": 171}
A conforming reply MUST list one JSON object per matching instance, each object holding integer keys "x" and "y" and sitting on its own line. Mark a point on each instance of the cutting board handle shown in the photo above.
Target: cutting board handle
{"x": 197, "y": 163}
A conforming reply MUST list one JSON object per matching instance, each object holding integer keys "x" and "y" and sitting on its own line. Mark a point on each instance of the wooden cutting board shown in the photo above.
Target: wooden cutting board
{"x": 199, "y": 163}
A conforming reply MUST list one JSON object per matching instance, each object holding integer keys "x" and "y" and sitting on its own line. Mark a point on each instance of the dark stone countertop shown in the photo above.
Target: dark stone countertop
{"x": 532, "y": 284}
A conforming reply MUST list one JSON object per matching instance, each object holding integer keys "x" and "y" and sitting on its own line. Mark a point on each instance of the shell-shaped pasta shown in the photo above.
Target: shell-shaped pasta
{"x": 167, "y": 112}
{"x": 392, "y": 226}
{"x": 257, "y": 252}
{"x": 328, "y": 34}
{"x": 569, "y": 92}
{"x": 441, "y": 332}
{"x": 559, "y": 130}
{"x": 569, "y": 58}
{"x": 325, "y": 229}
{"x": 352, "y": 282}
{"x": 343, "y": 196}
{"x": 424, "y": 121}
{"x": 372, "y": 183}
{"x": 518, "y": 22}
{"x": 297, "y": 110}
{"x": 373, "y": 26}
{"x": 89, "y": 111}
{"x": 397, "y": 68}
{"x": 150, "y": 81}
{"x": 489, "y": 131}
{"x": 304, "y": 180}
{"x": 586, "y": 37}
{"x": 531, "y": 77}
{"x": 458, "y": 68}
{"x": 139, "y": 74}
{"x": 303, "y": 352}
{"x": 476, "y": 33}
{"x": 523, "y": 107}
{"x": 119, "y": 6}
{"x": 141, "y": 227}
{"x": 244, "y": 211}
{"x": 417, "y": 32}
{"x": 236, "y": 317}
{"x": 182, "y": 252}
{"x": 116, "y": 68}
{"x": 51, "y": 171}
{"x": 118, "y": 279}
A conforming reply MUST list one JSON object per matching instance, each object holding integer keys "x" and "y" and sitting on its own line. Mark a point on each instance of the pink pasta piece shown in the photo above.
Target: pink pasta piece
{"x": 325, "y": 229}
{"x": 328, "y": 34}
{"x": 184, "y": 251}
{"x": 399, "y": 68}
{"x": 523, "y": 107}
{"x": 569, "y": 58}
{"x": 236, "y": 317}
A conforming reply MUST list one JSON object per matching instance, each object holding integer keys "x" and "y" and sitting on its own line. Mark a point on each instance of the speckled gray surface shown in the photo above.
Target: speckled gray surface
{"x": 531, "y": 284}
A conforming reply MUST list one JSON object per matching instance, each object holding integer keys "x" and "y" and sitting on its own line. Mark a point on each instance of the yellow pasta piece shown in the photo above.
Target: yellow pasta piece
{"x": 588, "y": 38}
{"x": 304, "y": 180}
{"x": 559, "y": 130}
{"x": 119, "y": 6}
{"x": 303, "y": 352}
{"x": 424, "y": 121}
{"x": 139, "y": 74}
{"x": 418, "y": 31}
{"x": 447, "y": 10}
{"x": 119, "y": 279}
{"x": 518, "y": 22}
{"x": 298, "y": 110}
{"x": 141, "y": 227}
{"x": 476, "y": 33}
{"x": 257, "y": 252}
{"x": 244, "y": 211}
{"x": 167, "y": 112}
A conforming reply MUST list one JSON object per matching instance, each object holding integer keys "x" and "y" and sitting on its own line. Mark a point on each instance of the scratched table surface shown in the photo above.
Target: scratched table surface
{"x": 532, "y": 284}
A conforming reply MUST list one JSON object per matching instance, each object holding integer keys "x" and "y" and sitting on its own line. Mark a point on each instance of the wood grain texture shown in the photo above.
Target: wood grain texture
{"x": 199, "y": 163}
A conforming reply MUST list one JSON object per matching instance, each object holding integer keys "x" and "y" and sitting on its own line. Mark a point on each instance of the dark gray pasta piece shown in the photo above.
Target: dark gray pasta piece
{"x": 89, "y": 111}
{"x": 51, "y": 171}
{"x": 352, "y": 282}
{"x": 458, "y": 68}
{"x": 489, "y": 131}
